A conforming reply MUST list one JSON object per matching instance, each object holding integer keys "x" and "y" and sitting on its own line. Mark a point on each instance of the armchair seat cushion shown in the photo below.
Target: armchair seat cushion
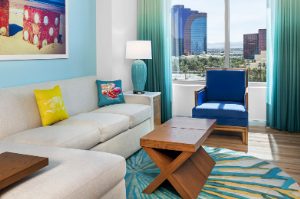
{"x": 226, "y": 112}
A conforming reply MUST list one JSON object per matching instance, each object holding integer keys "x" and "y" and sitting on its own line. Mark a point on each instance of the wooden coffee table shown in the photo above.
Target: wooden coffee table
{"x": 176, "y": 149}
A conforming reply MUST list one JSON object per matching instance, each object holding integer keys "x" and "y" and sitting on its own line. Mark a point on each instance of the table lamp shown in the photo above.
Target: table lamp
{"x": 138, "y": 50}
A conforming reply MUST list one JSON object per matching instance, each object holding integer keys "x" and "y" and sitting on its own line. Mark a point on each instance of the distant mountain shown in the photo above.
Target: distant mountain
{"x": 221, "y": 45}
{"x": 236, "y": 44}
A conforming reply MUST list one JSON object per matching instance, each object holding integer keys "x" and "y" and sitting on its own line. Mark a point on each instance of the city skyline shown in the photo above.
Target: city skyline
{"x": 242, "y": 20}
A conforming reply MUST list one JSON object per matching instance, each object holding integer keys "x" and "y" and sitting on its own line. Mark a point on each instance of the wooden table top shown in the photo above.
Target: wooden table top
{"x": 179, "y": 134}
{"x": 14, "y": 167}
{"x": 190, "y": 123}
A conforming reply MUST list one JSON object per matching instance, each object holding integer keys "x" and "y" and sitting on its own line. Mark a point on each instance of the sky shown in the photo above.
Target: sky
{"x": 246, "y": 16}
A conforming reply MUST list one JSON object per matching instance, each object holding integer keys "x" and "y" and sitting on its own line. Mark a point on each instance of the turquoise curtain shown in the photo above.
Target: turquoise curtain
{"x": 283, "y": 99}
{"x": 154, "y": 25}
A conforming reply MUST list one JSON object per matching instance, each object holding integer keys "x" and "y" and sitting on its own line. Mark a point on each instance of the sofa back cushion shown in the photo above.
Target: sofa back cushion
{"x": 19, "y": 110}
{"x": 226, "y": 85}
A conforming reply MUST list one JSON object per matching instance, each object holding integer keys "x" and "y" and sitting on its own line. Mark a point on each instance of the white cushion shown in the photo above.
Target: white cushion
{"x": 71, "y": 174}
{"x": 109, "y": 125}
{"x": 81, "y": 136}
{"x": 136, "y": 112}
{"x": 19, "y": 111}
{"x": 126, "y": 143}
{"x": 117, "y": 192}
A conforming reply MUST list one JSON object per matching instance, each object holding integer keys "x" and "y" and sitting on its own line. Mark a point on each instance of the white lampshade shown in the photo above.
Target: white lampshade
{"x": 138, "y": 50}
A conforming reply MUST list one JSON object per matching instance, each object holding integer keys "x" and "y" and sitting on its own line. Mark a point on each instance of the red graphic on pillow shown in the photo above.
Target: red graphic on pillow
{"x": 110, "y": 90}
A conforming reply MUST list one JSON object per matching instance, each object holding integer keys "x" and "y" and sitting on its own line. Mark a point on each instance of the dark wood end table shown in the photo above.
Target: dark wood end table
{"x": 14, "y": 167}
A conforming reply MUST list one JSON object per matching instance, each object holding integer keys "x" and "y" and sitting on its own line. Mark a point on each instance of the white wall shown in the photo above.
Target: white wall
{"x": 183, "y": 100}
{"x": 104, "y": 38}
{"x": 116, "y": 24}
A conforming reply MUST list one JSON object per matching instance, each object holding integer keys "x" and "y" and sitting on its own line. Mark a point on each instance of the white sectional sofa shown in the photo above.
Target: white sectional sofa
{"x": 75, "y": 146}
{"x": 71, "y": 174}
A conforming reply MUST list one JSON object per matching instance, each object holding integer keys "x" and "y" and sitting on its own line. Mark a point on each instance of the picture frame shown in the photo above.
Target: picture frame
{"x": 40, "y": 35}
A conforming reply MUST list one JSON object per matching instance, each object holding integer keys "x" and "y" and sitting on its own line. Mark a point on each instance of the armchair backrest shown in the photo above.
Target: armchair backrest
{"x": 226, "y": 84}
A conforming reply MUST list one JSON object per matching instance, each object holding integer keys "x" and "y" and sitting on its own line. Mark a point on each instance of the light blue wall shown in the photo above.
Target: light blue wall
{"x": 82, "y": 52}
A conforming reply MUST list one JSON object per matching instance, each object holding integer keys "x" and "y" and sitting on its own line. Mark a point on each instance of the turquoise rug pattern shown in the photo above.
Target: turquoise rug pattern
{"x": 235, "y": 175}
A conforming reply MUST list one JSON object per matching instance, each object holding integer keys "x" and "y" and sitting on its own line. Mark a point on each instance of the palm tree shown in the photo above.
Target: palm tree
{"x": 184, "y": 69}
{"x": 259, "y": 71}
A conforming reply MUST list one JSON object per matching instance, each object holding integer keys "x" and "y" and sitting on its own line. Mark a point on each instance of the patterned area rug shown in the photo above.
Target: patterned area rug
{"x": 236, "y": 175}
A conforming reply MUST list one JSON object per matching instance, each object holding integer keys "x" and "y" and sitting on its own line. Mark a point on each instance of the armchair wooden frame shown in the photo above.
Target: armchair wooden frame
{"x": 240, "y": 129}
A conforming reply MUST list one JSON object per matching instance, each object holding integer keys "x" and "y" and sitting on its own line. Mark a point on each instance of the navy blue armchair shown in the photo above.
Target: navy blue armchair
{"x": 225, "y": 98}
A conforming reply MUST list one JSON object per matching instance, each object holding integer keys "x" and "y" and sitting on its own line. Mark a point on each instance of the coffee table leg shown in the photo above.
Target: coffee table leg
{"x": 187, "y": 173}
{"x": 167, "y": 166}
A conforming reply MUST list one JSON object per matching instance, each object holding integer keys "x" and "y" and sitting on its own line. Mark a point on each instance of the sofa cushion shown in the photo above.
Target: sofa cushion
{"x": 71, "y": 173}
{"x": 19, "y": 110}
{"x": 136, "y": 112}
{"x": 226, "y": 85}
{"x": 81, "y": 136}
{"x": 109, "y": 125}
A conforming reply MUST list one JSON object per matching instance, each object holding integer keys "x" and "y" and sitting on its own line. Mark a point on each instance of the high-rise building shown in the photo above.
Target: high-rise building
{"x": 254, "y": 44}
{"x": 262, "y": 40}
{"x": 195, "y": 34}
{"x": 250, "y": 46}
{"x": 189, "y": 31}
{"x": 179, "y": 17}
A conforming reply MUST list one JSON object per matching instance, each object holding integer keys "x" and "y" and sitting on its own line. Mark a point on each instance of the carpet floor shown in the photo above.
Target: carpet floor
{"x": 235, "y": 175}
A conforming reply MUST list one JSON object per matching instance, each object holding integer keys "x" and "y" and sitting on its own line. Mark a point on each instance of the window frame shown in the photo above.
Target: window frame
{"x": 226, "y": 50}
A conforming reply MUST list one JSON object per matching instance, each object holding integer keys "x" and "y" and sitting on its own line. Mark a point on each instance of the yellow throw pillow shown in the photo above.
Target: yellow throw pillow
{"x": 51, "y": 105}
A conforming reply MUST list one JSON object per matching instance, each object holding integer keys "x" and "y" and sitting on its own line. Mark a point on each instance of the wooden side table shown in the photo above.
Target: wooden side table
{"x": 151, "y": 98}
{"x": 14, "y": 167}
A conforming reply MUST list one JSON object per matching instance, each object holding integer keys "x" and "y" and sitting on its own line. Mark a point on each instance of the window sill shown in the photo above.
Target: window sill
{"x": 202, "y": 83}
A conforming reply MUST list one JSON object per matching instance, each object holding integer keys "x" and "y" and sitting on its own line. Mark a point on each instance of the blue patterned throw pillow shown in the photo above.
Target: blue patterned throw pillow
{"x": 109, "y": 92}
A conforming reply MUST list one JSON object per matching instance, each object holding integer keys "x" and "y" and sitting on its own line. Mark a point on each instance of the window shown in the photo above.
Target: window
{"x": 248, "y": 37}
{"x": 199, "y": 29}
{"x": 197, "y": 37}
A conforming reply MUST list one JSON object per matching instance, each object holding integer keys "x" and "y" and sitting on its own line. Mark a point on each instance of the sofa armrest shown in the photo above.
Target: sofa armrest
{"x": 200, "y": 96}
{"x": 152, "y": 99}
{"x": 246, "y": 101}
{"x": 131, "y": 99}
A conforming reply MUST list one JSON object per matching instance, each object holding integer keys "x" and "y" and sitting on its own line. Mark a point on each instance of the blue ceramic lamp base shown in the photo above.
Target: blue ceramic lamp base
{"x": 139, "y": 76}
